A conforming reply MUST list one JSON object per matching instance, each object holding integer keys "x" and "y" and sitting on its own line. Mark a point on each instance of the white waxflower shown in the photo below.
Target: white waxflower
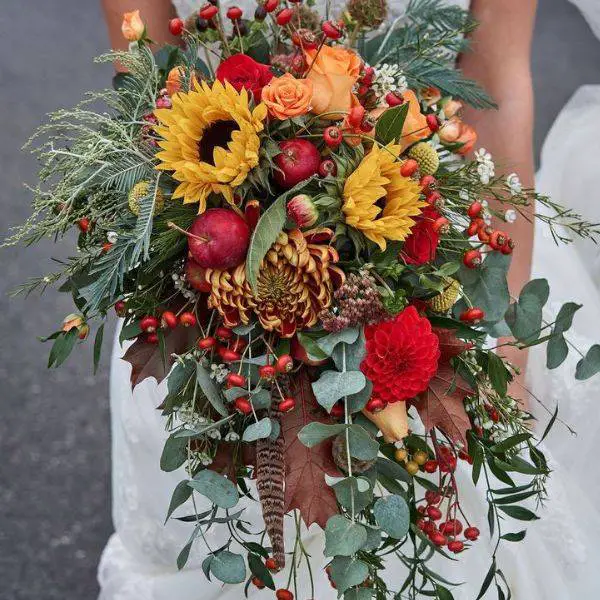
{"x": 514, "y": 184}
{"x": 218, "y": 372}
{"x": 215, "y": 434}
{"x": 510, "y": 216}
{"x": 232, "y": 436}
{"x": 388, "y": 78}
{"x": 112, "y": 237}
{"x": 485, "y": 165}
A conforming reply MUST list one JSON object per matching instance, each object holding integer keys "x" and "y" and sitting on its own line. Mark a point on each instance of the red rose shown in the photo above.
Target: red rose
{"x": 420, "y": 246}
{"x": 244, "y": 72}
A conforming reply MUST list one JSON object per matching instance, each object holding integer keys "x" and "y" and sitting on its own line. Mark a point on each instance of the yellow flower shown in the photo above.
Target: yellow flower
{"x": 210, "y": 140}
{"x": 132, "y": 26}
{"x": 378, "y": 200}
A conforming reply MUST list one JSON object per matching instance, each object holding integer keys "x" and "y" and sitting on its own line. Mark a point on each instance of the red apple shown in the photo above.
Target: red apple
{"x": 219, "y": 239}
{"x": 195, "y": 276}
{"x": 298, "y": 160}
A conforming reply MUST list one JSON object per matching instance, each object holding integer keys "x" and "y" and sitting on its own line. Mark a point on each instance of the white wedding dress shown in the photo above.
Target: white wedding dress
{"x": 555, "y": 562}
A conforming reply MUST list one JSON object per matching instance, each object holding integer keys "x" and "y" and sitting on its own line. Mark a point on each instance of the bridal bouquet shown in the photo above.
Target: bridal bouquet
{"x": 281, "y": 211}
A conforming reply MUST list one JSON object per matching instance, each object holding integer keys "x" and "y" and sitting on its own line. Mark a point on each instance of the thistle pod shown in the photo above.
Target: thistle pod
{"x": 302, "y": 210}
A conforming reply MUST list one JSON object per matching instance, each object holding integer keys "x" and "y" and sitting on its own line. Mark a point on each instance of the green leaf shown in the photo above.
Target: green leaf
{"x": 211, "y": 391}
{"x": 390, "y": 123}
{"x": 348, "y": 493}
{"x": 510, "y": 442}
{"x": 343, "y": 537}
{"x": 228, "y": 567}
{"x": 174, "y": 453}
{"x": 259, "y": 570}
{"x": 332, "y": 386}
{"x": 314, "y": 433}
{"x": 351, "y": 355}
{"x": 487, "y": 287}
{"x": 347, "y": 572}
{"x": 443, "y": 593}
{"x": 393, "y": 470}
{"x": 183, "y": 556}
{"x": 362, "y": 444}
{"x": 180, "y": 495}
{"x": 98, "y": 346}
{"x": 589, "y": 365}
{"x": 258, "y": 431}
{"x": 498, "y": 373}
{"x": 62, "y": 347}
{"x": 329, "y": 342}
{"x": 519, "y": 512}
{"x": 358, "y": 594}
{"x": 392, "y": 515}
{"x": 216, "y": 488}
{"x": 311, "y": 346}
{"x": 514, "y": 537}
{"x": 557, "y": 351}
{"x": 525, "y": 316}
{"x": 487, "y": 581}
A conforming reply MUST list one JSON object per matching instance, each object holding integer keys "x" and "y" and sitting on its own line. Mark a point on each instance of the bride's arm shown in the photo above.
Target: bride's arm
{"x": 155, "y": 14}
{"x": 500, "y": 61}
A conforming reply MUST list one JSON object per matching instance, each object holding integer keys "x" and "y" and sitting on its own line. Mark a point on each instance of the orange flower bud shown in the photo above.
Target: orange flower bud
{"x": 392, "y": 421}
{"x": 132, "y": 26}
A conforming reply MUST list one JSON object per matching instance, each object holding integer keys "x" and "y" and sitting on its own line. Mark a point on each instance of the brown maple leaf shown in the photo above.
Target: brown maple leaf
{"x": 305, "y": 468}
{"x": 146, "y": 359}
{"x": 450, "y": 345}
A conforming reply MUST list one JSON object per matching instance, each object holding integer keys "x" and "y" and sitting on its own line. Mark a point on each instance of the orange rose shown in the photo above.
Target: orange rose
{"x": 132, "y": 26}
{"x": 455, "y": 131}
{"x": 415, "y": 126}
{"x": 288, "y": 97}
{"x": 334, "y": 72}
{"x": 451, "y": 108}
{"x": 431, "y": 95}
{"x": 174, "y": 80}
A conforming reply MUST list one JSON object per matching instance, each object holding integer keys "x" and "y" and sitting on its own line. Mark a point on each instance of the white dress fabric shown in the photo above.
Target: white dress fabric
{"x": 555, "y": 562}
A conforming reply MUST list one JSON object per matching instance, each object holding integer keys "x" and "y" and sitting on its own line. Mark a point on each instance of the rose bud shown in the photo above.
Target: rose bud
{"x": 451, "y": 108}
{"x": 132, "y": 26}
{"x": 302, "y": 211}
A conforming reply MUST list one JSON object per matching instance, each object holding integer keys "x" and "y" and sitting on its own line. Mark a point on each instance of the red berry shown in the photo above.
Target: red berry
{"x": 242, "y": 404}
{"x": 271, "y": 5}
{"x": 176, "y": 26}
{"x": 475, "y": 226}
{"x": 271, "y": 564}
{"x": 451, "y": 527}
{"x": 284, "y": 364}
{"x": 471, "y": 533}
{"x": 429, "y": 527}
{"x": 394, "y": 99}
{"x": 258, "y": 583}
{"x": 433, "y": 497}
{"x": 208, "y": 11}
{"x": 475, "y": 210}
{"x": 421, "y": 524}
{"x": 484, "y": 233}
{"x": 168, "y": 319}
{"x": 236, "y": 380}
{"x": 472, "y": 259}
{"x": 433, "y": 512}
{"x": 441, "y": 225}
{"x": 229, "y": 355}
{"x": 374, "y": 405}
{"x": 267, "y": 372}
{"x": 433, "y": 122}
{"x": 327, "y": 167}
{"x": 367, "y": 125}
{"x": 367, "y": 77}
{"x": 282, "y": 594}
{"x": 409, "y": 167}
{"x": 430, "y": 466}
{"x": 332, "y": 30}
{"x": 498, "y": 240}
{"x": 187, "y": 319}
{"x": 438, "y": 539}
{"x": 356, "y": 115}
{"x": 333, "y": 136}
{"x": 207, "y": 343}
{"x": 149, "y": 324}
{"x": 456, "y": 546}
{"x": 84, "y": 225}
{"x": 120, "y": 308}
{"x": 234, "y": 13}
{"x": 152, "y": 338}
{"x": 224, "y": 333}
{"x": 472, "y": 315}
{"x": 305, "y": 39}
{"x": 287, "y": 405}
{"x": 508, "y": 247}
{"x": 428, "y": 184}
{"x": 284, "y": 16}
{"x": 337, "y": 411}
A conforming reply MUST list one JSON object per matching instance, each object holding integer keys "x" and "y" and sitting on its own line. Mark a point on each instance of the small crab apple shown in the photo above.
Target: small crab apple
{"x": 298, "y": 160}
{"x": 441, "y": 225}
{"x": 498, "y": 239}
{"x": 229, "y": 355}
{"x": 472, "y": 315}
{"x": 284, "y": 16}
{"x": 428, "y": 184}
{"x": 474, "y": 226}
{"x": 409, "y": 167}
{"x": 258, "y": 583}
{"x": 152, "y": 338}
{"x": 176, "y": 26}
{"x": 327, "y": 167}
{"x": 475, "y": 209}
{"x": 305, "y": 39}
{"x": 267, "y": 372}
{"x": 187, "y": 319}
{"x": 356, "y": 116}
{"x": 242, "y": 404}
{"x": 433, "y": 512}
{"x": 332, "y": 30}
{"x": 471, "y": 533}
{"x": 236, "y": 380}
{"x": 412, "y": 467}
{"x": 234, "y": 13}
{"x": 456, "y": 546}
{"x": 433, "y": 497}
{"x": 284, "y": 364}
{"x": 400, "y": 454}
{"x": 238, "y": 345}
{"x": 484, "y": 233}
{"x": 430, "y": 466}
{"x": 472, "y": 259}
{"x": 207, "y": 343}
{"x": 333, "y": 136}
{"x": 271, "y": 564}
{"x": 149, "y": 324}
{"x": 168, "y": 320}
{"x": 394, "y": 99}
{"x": 451, "y": 527}
{"x": 208, "y": 11}
{"x": 287, "y": 405}
{"x": 271, "y": 5}
{"x": 508, "y": 247}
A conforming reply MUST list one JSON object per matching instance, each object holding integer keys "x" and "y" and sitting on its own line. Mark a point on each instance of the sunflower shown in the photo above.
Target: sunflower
{"x": 378, "y": 200}
{"x": 210, "y": 140}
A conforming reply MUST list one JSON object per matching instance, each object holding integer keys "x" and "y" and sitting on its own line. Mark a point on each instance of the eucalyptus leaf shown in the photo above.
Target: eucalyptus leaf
{"x": 362, "y": 445}
{"x": 174, "y": 453}
{"x": 314, "y": 433}
{"x": 589, "y": 365}
{"x": 343, "y": 537}
{"x": 351, "y": 492}
{"x": 218, "y": 489}
{"x": 228, "y": 567}
{"x": 348, "y": 572}
{"x": 329, "y": 342}
{"x": 210, "y": 390}
{"x": 180, "y": 495}
{"x": 311, "y": 346}
{"x": 392, "y": 515}
{"x": 258, "y": 431}
{"x": 333, "y": 386}
{"x": 524, "y": 317}
{"x": 358, "y": 594}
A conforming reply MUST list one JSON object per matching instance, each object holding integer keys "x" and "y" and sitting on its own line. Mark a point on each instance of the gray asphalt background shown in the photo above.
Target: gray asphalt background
{"x": 54, "y": 425}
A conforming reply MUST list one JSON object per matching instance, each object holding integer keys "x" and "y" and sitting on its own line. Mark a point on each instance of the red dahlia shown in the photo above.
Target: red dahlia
{"x": 402, "y": 356}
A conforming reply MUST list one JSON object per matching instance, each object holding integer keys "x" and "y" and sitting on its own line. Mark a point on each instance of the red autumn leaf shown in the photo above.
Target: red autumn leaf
{"x": 441, "y": 405}
{"x": 146, "y": 359}
{"x": 450, "y": 345}
{"x": 305, "y": 486}
{"x": 224, "y": 463}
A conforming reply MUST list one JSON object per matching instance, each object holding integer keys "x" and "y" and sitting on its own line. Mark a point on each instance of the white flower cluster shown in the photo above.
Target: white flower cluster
{"x": 510, "y": 216}
{"x": 179, "y": 283}
{"x": 232, "y": 436}
{"x": 218, "y": 372}
{"x": 388, "y": 78}
{"x": 514, "y": 184}
{"x": 485, "y": 165}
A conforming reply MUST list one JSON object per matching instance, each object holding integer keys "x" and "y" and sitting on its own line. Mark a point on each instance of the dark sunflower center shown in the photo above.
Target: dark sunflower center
{"x": 216, "y": 134}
